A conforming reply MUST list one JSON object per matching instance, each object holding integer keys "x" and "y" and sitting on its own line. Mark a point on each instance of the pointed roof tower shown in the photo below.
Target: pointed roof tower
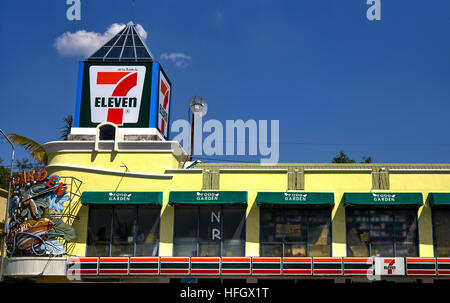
{"x": 126, "y": 46}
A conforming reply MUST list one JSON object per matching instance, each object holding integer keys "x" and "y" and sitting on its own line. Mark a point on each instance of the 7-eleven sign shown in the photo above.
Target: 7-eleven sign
{"x": 116, "y": 93}
{"x": 389, "y": 266}
{"x": 163, "y": 104}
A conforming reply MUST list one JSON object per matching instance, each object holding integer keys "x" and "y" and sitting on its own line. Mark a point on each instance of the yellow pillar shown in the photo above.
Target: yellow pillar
{"x": 338, "y": 236}
{"x": 252, "y": 224}
{"x": 166, "y": 228}
{"x": 425, "y": 231}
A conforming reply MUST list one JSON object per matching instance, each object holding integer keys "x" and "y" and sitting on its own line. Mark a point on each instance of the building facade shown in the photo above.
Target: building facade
{"x": 126, "y": 204}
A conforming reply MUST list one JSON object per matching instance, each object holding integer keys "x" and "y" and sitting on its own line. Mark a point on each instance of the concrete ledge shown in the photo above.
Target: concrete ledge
{"x": 419, "y": 171}
{"x": 35, "y": 266}
{"x": 183, "y": 171}
{"x": 123, "y": 146}
{"x": 339, "y": 170}
{"x": 110, "y": 171}
{"x": 254, "y": 171}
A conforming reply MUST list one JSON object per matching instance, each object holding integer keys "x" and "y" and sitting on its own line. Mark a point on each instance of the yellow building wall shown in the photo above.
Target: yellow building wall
{"x": 158, "y": 162}
{"x": 150, "y": 162}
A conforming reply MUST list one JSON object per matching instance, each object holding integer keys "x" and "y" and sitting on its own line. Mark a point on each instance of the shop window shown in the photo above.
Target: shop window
{"x": 441, "y": 235}
{"x": 295, "y": 232}
{"x": 381, "y": 232}
{"x": 122, "y": 230}
{"x": 208, "y": 231}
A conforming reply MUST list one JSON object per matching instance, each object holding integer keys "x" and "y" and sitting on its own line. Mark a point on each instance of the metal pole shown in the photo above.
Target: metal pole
{"x": 192, "y": 136}
{"x": 3, "y": 250}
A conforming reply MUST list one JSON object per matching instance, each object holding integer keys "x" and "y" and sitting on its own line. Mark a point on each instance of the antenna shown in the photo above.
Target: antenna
{"x": 132, "y": 10}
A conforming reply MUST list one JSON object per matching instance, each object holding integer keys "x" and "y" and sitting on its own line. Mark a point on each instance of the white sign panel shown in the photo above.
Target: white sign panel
{"x": 116, "y": 93}
{"x": 389, "y": 266}
{"x": 163, "y": 104}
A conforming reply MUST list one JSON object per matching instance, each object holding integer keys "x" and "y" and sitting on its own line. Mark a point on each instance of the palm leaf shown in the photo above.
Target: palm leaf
{"x": 36, "y": 150}
{"x": 65, "y": 130}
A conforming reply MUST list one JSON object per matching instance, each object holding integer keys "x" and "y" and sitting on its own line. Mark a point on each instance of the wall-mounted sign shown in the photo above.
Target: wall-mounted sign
{"x": 116, "y": 93}
{"x": 163, "y": 103}
{"x": 131, "y": 95}
{"x": 390, "y": 266}
{"x": 384, "y": 199}
{"x": 105, "y": 197}
{"x": 38, "y": 216}
{"x": 205, "y": 197}
{"x": 295, "y": 198}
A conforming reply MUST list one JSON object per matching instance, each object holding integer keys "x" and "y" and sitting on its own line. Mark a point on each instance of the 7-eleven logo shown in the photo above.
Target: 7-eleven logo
{"x": 163, "y": 104}
{"x": 116, "y": 93}
{"x": 390, "y": 265}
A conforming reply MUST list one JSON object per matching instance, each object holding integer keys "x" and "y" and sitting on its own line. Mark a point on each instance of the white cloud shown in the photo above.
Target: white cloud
{"x": 84, "y": 43}
{"x": 180, "y": 59}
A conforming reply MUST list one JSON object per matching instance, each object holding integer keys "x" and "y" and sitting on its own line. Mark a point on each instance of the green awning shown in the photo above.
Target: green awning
{"x": 108, "y": 197}
{"x": 383, "y": 199}
{"x": 439, "y": 199}
{"x": 208, "y": 197}
{"x": 294, "y": 198}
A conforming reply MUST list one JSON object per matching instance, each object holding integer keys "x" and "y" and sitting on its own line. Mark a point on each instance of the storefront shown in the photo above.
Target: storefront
{"x": 382, "y": 224}
{"x": 209, "y": 223}
{"x": 123, "y": 223}
{"x": 295, "y": 224}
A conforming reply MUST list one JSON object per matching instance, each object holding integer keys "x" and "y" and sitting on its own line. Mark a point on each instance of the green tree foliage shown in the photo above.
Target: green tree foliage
{"x": 36, "y": 150}
{"x": 343, "y": 158}
{"x": 4, "y": 176}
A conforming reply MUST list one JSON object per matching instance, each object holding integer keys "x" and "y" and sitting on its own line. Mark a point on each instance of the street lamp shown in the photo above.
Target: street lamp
{"x": 198, "y": 108}
{"x": 7, "y": 208}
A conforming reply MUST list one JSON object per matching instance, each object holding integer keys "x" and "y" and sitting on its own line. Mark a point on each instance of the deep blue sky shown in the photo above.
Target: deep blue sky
{"x": 335, "y": 80}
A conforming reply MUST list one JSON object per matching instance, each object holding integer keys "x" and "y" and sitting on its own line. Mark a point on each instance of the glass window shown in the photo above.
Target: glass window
{"x": 147, "y": 235}
{"x": 381, "y": 232}
{"x": 209, "y": 231}
{"x": 137, "y": 41}
{"x": 115, "y": 52}
{"x": 441, "y": 232}
{"x": 405, "y": 233}
{"x": 101, "y": 52}
{"x": 123, "y": 230}
{"x": 124, "y": 222}
{"x": 141, "y": 52}
{"x": 129, "y": 41}
{"x": 271, "y": 232}
{"x": 357, "y": 233}
{"x": 295, "y": 232}
{"x": 99, "y": 231}
{"x": 128, "y": 52}
{"x": 233, "y": 232}
{"x": 319, "y": 233}
{"x": 185, "y": 238}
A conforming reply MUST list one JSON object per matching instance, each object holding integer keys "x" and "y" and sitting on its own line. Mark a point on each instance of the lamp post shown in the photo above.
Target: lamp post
{"x": 3, "y": 250}
{"x": 198, "y": 108}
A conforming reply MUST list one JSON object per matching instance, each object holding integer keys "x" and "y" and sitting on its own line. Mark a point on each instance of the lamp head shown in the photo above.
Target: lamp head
{"x": 198, "y": 106}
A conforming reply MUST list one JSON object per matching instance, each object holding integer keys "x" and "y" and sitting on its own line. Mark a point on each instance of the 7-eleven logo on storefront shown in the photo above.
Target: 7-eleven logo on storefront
{"x": 389, "y": 266}
{"x": 116, "y": 93}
